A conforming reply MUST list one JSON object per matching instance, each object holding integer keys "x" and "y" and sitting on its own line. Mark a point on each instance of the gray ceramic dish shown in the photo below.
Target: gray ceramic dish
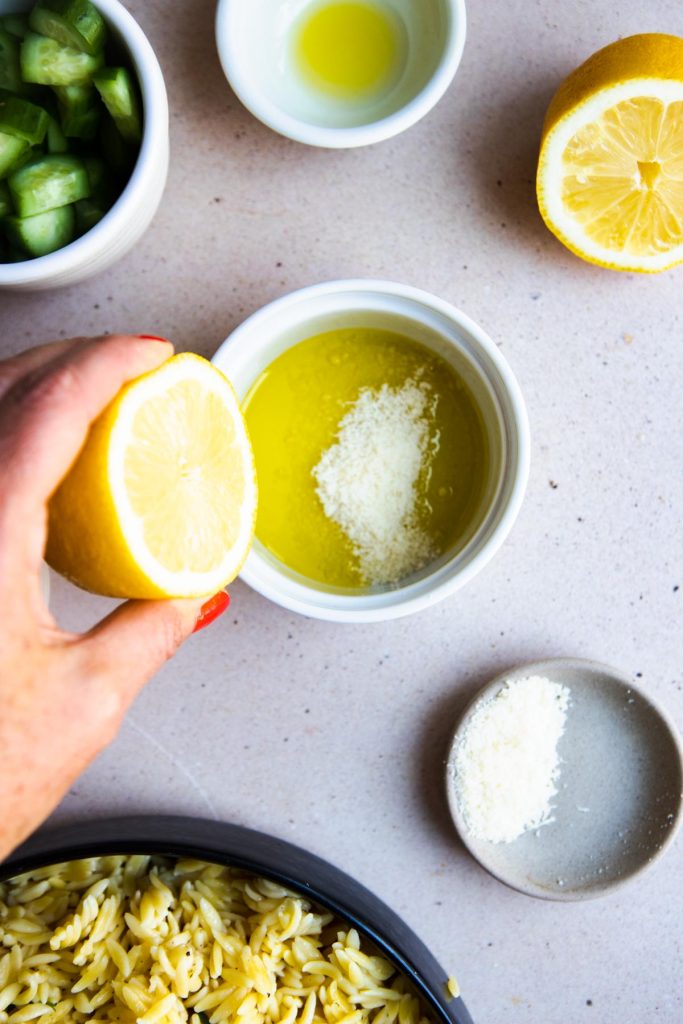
{"x": 619, "y": 800}
{"x": 221, "y": 843}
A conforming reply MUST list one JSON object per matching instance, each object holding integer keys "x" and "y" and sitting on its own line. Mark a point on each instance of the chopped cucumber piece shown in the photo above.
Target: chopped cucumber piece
{"x": 48, "y": 182}
{"x": 15, "y": 24}
{"x": 22, "y": 119}
{"x": 5, "y": 201}
{"x": 11, "y": 149}
{"x": 116, "y": 87}
{"x": 46, "y": 62}
{"x": 79, "y": 110}
{"x": 74, "y": 23}
{"x": 44, "y": 232}
{"x": 88, "y": 214}
{"x": 10, "y": 67}
{"x": 56, "y": 139}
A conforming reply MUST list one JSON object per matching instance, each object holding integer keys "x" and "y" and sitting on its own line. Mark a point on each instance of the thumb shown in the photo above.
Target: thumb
{"x": 133, "y": 643}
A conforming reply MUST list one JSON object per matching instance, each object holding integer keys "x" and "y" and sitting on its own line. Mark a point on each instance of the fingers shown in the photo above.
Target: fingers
{"x": 132, "y": 643}
{"x": 11, "y": 370}
{"x": 45, "y": 414}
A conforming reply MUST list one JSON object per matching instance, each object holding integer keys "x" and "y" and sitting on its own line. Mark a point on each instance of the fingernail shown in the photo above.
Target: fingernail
{"x": 150, "y": 337}
{"x": 210, "y": 611}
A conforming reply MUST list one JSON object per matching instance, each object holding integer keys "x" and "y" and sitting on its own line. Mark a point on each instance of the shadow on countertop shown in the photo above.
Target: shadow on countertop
{"x": 502, "y": 154}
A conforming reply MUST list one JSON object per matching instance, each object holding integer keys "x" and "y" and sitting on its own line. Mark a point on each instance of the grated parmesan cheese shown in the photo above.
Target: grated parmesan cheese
{"x": 367, "y": 480}
{"x": 506, "y": 763}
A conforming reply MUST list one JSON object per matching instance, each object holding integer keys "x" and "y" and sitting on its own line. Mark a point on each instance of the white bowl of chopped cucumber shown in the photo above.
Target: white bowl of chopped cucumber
{"x": 84, "y": 142}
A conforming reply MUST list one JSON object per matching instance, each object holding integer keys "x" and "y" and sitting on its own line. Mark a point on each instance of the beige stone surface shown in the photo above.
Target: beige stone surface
{"x": 332, "y": 736}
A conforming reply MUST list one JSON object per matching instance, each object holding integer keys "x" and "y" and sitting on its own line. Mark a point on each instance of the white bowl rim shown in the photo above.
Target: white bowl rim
{"x": 340, "y": 138}
{"x": 389, "y": 604}
{"x": 103, "y": 234}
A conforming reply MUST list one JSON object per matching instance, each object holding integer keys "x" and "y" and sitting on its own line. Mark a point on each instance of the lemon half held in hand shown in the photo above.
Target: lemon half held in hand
{"x": 610, "y": 171}
{"x": 161, "y": 500}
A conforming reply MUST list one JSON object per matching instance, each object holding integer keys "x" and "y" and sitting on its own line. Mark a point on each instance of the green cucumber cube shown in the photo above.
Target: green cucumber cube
{"x": 74, "y": 23}
{"x": 79, "y": 110}
{"x": 118, "y": 92}
{"x": 23, "y": 119}
{"x": 44, "y": 233}
{"x": 44, "y": 61}
{"x": 48, "y": 182}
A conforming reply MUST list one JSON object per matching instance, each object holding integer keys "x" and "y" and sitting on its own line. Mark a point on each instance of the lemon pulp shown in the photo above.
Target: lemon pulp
{"x": 293, "y": 412}
{"x": 182, "y": 478}
{"x": 161, "y": 500}
{"x": 623, "y": 177}
{"x": 348, "y": 48}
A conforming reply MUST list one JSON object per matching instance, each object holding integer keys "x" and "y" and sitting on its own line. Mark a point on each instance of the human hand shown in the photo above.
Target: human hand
{"x": 63, "y": 696}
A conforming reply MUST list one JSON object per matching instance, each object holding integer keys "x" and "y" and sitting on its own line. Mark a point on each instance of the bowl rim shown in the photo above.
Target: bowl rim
{"x": 545, "y": 668}
{"x": 234, "y": 845}
{"x": 291, "y": 127}
{"x": 310, "y": 601}
{"x": 154, "y": 138}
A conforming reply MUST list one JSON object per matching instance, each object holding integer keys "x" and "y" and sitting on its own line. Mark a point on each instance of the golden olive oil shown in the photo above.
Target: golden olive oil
{"x": 293, "y": 412}
{"x": 348, "y": 48}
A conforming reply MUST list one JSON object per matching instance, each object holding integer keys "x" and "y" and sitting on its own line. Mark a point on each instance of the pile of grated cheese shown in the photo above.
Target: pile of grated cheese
{"x": 367, "y": 481}
{"x": 506, "y": 764}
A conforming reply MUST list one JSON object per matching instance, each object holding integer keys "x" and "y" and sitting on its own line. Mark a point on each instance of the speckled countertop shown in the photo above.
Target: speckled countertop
{"x": 333, "y": 736}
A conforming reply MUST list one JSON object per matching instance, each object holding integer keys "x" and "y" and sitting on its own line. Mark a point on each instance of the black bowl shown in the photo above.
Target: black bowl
{"x": 282, "y": 862}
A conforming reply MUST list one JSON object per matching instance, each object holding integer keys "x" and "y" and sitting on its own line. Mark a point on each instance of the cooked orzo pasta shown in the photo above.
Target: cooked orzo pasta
{"x": 158, "y": 941}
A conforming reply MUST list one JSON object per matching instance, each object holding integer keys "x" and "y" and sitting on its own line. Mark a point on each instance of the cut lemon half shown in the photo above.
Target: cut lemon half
{"x": 610, "y": 170}
{"x": 161, "y": 501}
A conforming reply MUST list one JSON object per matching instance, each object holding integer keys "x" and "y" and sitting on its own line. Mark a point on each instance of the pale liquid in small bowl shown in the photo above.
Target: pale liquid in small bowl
{"x": 349, "y": 49}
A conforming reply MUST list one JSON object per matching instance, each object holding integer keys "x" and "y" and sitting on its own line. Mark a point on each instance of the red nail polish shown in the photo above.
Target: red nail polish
{"x": 150, "y": 337}
{"x": 210, "y": 611}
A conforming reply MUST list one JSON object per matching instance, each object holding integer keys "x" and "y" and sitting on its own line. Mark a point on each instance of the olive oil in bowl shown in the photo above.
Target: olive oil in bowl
{"x": 372, "y": 458}
{"x": 349, "y": 49}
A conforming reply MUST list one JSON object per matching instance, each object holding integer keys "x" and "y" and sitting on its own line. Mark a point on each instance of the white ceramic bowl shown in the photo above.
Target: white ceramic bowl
{"x": 256, "y": 46}
{"x": 131, "y": 214}
{"x": 445, "y": 330}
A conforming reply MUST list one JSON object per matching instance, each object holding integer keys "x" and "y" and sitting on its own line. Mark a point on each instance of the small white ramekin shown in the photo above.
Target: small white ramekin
{"x": 456, "y": 338}
{"x": 254, "y": 44}
{"x": 131, "y": 214}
